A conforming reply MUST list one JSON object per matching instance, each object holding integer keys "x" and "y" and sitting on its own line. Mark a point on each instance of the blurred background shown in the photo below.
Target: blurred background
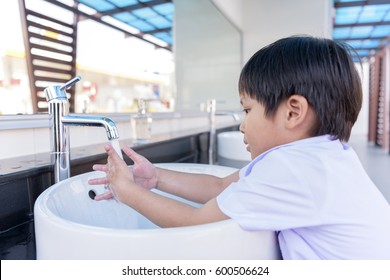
{"x": 176, "y": 54}
{"x": 116, "y": 69}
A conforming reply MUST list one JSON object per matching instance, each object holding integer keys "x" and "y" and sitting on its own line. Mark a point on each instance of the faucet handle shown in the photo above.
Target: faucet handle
{"x": 211, "y": 106}
{"x": 70, "y": 83}
{"x": 59, "y": 92}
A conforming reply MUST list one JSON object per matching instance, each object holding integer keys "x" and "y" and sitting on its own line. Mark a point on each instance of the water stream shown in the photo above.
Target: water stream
{"x": 115, "y": 144}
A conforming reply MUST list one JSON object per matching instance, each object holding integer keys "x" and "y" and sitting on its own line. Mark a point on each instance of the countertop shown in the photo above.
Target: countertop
{"x": 18, "y": 165}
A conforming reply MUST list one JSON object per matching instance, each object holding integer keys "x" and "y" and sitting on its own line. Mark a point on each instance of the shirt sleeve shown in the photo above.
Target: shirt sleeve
{"x": 273, "y": 196}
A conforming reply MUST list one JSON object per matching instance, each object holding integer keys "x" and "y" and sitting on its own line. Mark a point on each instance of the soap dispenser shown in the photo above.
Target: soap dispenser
{"x": 141, "y": 123}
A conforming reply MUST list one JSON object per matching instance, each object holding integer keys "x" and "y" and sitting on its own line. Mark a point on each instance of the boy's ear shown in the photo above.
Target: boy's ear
{"x": 297, "y": 111}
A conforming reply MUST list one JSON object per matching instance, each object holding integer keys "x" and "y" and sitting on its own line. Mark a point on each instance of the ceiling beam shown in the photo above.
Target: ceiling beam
{"x": 159, "y": 30}
{"x": 360, "y": 3}
{"x": 362, "y": 24}
{"x": 360, "y": 38}
{"x": 130, "y": 8}
{"x": 364, "y": 49}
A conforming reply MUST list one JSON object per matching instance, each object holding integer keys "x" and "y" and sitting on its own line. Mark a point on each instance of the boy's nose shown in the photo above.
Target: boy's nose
{"x": 242, "y": 127}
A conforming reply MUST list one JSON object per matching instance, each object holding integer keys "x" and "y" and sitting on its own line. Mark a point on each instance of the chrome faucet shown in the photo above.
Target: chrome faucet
{"x": 234, "y": 115}
{"x": 211, "y": 109}
{"x": 59, "y": 120}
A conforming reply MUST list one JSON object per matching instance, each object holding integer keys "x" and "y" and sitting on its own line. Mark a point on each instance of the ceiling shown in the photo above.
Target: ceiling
{"x": 149, "y": 20}
{"x": 363, "y": 24}
{"x": 153, "y": 17}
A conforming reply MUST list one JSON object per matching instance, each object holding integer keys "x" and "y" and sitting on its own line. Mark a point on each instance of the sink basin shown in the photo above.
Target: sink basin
{"x": 71, "y": 225}
{"x": 232, "y": 149}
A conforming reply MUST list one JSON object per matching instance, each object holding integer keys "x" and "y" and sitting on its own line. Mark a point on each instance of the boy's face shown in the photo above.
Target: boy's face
{"x": 260, "y": 133}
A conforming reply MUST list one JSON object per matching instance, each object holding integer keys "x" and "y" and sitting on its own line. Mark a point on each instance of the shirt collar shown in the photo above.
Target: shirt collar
{"x": 310, "y": 140}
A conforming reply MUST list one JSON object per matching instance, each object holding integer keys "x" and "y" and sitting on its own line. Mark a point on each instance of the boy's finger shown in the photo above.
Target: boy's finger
{"x": 112, "y": 154}
{"x": 137, "y": 158}
{"x": 99, "y": 167}
{"x": 104, "y": 196}
{"x": 98, "y": 181}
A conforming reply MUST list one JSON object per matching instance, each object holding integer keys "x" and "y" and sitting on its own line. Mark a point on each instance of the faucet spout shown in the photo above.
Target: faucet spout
{"x": 100, "y": 121}
{"x": 211, "y": 108}
{"x": 234, "y": 115}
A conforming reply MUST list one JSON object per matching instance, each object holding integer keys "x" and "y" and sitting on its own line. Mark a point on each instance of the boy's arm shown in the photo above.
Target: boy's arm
{"x": 166, "y": 212}
{"x": 161, "y": 210}
{"x": 195, "y": 187}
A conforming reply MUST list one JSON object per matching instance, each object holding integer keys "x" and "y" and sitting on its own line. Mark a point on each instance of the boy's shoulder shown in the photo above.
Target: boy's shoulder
{"x": 305, "y": 153}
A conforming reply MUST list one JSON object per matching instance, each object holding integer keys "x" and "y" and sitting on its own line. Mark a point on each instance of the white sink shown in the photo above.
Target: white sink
{"x": 70, "y": 225}
{"x": 232, "y": 149}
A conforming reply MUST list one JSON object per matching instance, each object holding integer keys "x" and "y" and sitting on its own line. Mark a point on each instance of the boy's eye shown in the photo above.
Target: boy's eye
{"x": 245, "y": 111}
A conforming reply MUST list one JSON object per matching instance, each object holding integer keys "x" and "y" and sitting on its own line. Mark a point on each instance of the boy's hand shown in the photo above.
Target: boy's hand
{"x": 144, "y": 172}
{"x": 118, "y": 175}
{"x": 116, "y": 171}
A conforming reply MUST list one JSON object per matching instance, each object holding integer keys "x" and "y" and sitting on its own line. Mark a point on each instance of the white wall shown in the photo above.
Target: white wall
{"x": 208, "y": 56}
{"x": 265, "y": 21}
{"x": 232, "y": 9}
{"x": 361, "y": 126}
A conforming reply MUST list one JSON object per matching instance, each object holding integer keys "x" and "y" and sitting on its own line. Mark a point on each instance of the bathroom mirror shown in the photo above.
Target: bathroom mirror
{"x": 117, "y": 70}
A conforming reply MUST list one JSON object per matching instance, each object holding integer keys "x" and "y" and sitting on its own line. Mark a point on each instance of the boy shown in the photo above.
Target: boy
{"x": 301, "y": 97}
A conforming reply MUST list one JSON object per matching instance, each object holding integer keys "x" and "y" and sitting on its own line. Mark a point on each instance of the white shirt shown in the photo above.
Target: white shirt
{"x": 317, "y": 196}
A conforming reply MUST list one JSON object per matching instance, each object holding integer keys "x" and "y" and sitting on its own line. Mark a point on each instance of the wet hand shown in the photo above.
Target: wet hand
{"x": 144, "y": 172}
{"x": 118, "y": 174}
{"x": 119, "y": 179}
{"x": 101, "y": 181}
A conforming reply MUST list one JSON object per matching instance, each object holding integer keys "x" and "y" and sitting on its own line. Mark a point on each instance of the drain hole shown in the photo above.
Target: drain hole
{"x": 92, "y": 194}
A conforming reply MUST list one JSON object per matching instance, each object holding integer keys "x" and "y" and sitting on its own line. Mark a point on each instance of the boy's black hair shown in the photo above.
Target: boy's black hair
{"x": 319, "y": 69}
